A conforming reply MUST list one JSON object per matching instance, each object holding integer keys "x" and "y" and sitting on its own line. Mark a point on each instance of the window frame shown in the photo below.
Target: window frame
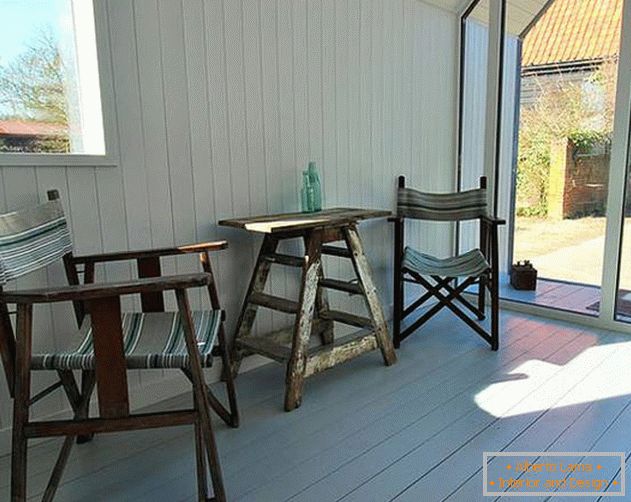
{"x": 108, "y": 110}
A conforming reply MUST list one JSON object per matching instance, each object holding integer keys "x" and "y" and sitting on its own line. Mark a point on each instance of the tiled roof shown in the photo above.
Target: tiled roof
{"x": 28, "y": 128}
{"x": 574, "y": 31}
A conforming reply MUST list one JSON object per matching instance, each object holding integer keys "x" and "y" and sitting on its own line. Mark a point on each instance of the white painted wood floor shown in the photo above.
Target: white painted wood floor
{"x": 412, "y": 432}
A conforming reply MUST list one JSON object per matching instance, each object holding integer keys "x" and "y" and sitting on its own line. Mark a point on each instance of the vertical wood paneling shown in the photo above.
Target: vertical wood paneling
{"x": 178, "y": 137}
{"x": 128, "y": 112}
{"x": 474, "y": 125}
{"x": 221, "y": 103}
{"x": 150, "y": 77}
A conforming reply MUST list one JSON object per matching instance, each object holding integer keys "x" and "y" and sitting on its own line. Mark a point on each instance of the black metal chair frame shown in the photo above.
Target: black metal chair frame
{"x": 448, "y": 291}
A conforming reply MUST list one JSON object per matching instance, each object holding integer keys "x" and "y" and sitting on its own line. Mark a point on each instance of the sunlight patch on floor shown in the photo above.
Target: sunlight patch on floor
{"x": 596, "y": 374}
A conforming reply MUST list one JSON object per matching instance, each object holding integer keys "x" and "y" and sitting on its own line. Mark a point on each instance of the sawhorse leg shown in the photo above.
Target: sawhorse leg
{"x": 362, "y": 269}
{"x": 296, "y": 367}
{"x": 248, "y": 312}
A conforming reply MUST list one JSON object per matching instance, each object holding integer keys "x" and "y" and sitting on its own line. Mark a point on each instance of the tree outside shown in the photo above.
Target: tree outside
{"x": 33, "y": 92}
{"x": 562, "y": 173}
{"x": 579, "y": 111}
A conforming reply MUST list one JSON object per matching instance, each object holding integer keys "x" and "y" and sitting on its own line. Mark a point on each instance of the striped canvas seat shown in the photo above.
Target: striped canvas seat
{"x": 467, "y": 205}
{"x": 471, "y": 264}
{"x": 31, "y": 239}
{"x": 151, "y": 341}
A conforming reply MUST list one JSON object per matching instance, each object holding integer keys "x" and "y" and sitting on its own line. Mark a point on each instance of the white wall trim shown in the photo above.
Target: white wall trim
{"x": 108, "y": 109}
{"x": 619, "y": 165}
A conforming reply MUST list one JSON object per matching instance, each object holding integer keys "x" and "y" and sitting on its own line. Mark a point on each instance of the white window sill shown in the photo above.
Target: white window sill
{"x": 56, "y": 160}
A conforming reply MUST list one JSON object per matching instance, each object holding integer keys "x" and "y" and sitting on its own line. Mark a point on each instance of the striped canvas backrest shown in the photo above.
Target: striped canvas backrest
{"x": 442, "y": 206}
{"x": 31, "y": 239}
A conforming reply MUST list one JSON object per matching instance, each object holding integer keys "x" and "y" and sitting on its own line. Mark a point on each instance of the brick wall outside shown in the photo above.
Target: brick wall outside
{"x": 578, "y": 181}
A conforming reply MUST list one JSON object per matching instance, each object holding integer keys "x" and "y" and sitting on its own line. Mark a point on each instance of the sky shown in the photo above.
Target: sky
{"x": 21, "y": 20}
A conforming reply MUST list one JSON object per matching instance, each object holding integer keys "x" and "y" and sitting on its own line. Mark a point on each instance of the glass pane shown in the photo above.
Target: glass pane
{"x": 568, "y": 80}
{"x": 49, "y": 84}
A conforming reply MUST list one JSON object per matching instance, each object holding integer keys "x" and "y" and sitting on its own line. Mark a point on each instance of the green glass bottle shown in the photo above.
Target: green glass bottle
{"x": 314, "y": 182}
{"x": 306, "y": 194}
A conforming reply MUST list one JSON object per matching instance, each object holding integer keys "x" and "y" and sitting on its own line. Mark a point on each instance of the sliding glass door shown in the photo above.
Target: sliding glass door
{"x": 559, "y": 164}
{"x": 569, "y": 72}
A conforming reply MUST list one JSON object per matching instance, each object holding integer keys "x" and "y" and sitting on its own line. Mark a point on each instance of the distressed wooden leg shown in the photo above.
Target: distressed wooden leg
{"x": 296, "y": 367}
{"x": 327, "y": 330}
{"x": 201, "y": 396}
{"x": 21, "y": 402}
{"x": 362, "y": 269}
{"x": 248, "y": 311}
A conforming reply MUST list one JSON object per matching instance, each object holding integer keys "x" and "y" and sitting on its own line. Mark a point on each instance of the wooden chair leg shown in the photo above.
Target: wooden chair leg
{"x": 200, "y": 458}
{"x": 21, "y": 403}
{"x": 58, "y": 470}
{"x": 495, "y": 291}
{"x": 228, "y": 416}
{"x": 229, "y": 379}
{"x": 201, "y": 396}
{"x": 18, "y": 463}
{"x": 495, "y": 313}
{"x": 88, "y": 381}
{"x": 399, "y": 284}
{"x": 482, "y": 286}
{"x": 80, "y": 404}
{"x": 397, "y": 315}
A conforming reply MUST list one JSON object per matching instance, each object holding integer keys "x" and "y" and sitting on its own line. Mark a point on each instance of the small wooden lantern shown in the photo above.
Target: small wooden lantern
{"x": 523, "y": 276}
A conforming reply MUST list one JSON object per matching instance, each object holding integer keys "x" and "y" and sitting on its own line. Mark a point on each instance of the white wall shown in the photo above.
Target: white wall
{"x": 474, "y": 123}
{"x": 220, "y": 104}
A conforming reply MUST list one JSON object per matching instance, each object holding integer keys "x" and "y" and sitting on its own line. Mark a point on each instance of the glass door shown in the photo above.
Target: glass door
{"x": 569, "y": 72}
{"x": 619, "y": 253}
{"x": 561, "y": 174}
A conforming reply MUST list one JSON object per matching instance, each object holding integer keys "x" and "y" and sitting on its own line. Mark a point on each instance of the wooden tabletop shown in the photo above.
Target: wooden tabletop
{"x": 335, "y": 217}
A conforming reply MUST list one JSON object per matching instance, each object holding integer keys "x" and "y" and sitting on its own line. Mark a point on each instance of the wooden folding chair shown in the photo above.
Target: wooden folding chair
{"x": 107, "y": 343}
{"x": 446, "y": 279}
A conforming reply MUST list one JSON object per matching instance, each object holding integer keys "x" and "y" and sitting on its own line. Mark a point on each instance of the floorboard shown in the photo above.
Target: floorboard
{"x": 414, "y": 431}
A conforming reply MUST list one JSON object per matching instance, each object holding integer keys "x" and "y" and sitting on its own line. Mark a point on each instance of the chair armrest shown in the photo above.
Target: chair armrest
{"x": 493, "y": 220}
{"x": 151, "y": 253}
{"x": 106, "y": 290}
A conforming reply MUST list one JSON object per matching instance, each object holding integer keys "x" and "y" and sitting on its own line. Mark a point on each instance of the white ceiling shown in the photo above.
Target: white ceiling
{"x": 519, "y": 13}
{"x": 452, "y": 5}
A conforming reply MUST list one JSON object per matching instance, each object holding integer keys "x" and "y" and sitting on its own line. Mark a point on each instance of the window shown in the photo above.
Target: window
{"x": 50, "y": 92}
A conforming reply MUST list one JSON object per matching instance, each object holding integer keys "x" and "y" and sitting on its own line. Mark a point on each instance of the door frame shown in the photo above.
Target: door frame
{"x": 620, "y": 163}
